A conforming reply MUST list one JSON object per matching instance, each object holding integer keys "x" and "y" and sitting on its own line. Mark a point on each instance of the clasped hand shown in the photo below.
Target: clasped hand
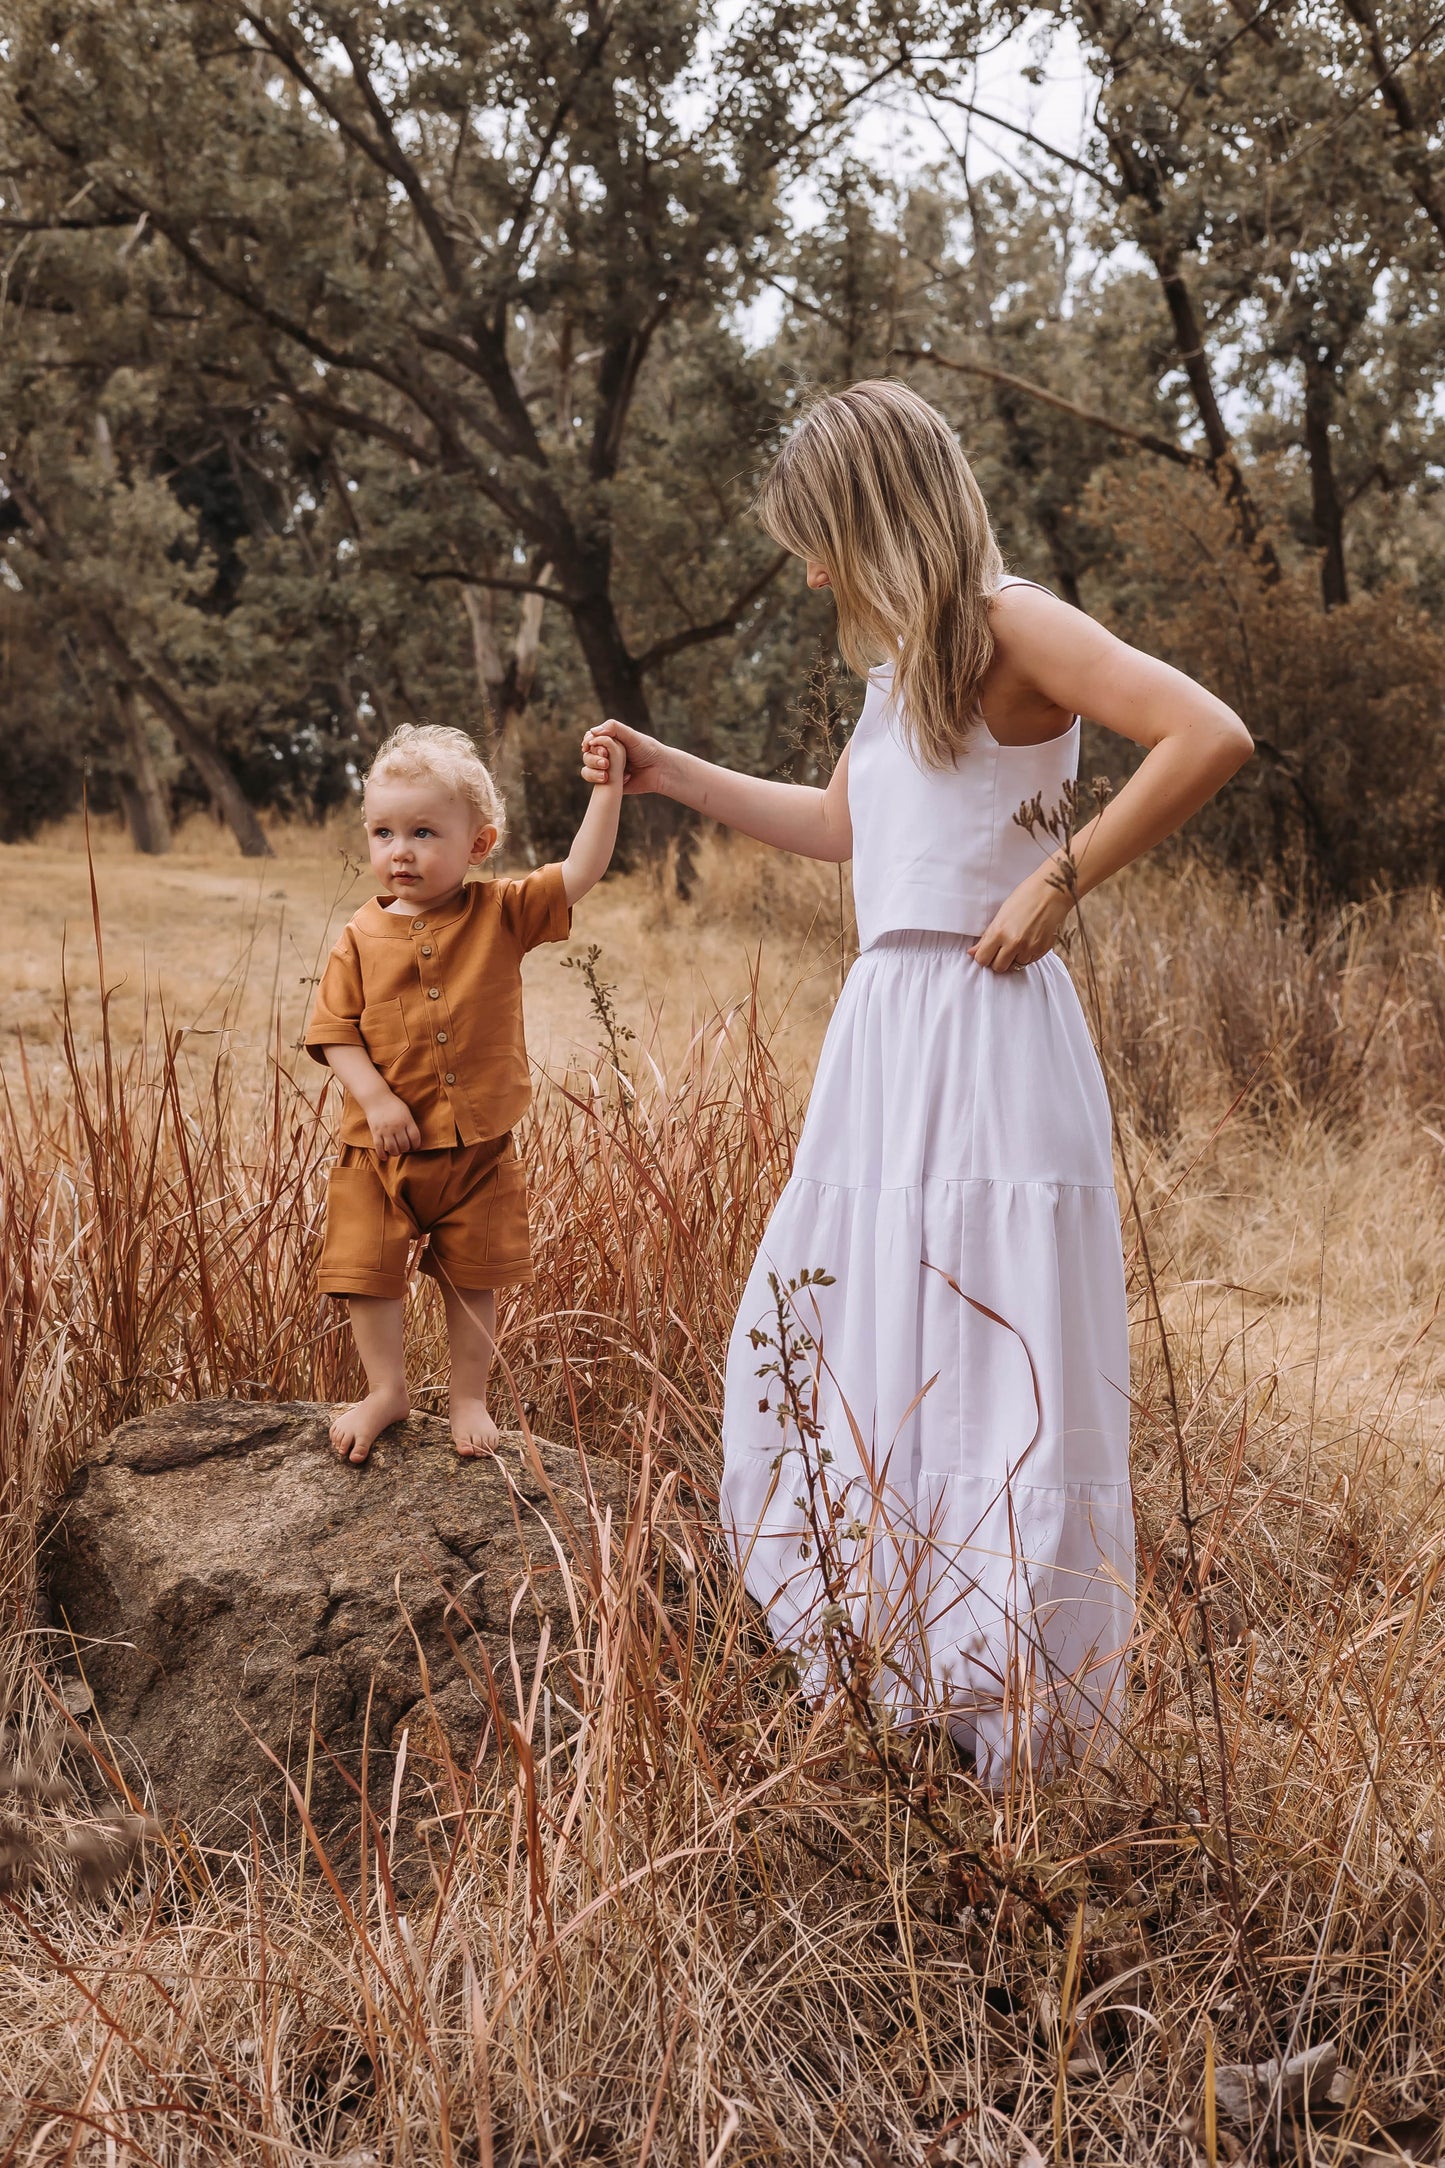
{"x": 393, "y": 1126}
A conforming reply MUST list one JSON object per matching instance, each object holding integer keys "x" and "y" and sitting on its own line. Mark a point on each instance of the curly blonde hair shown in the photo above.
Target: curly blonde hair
{"x": 433, "y": 753}
{"x": 872, "y": 485}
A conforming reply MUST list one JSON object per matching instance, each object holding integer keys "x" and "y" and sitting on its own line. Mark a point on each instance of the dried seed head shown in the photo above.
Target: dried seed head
{"x": 19, "y": 1860}
{"x": 100, "y": 1854}
{"x": 27, "y": 1783}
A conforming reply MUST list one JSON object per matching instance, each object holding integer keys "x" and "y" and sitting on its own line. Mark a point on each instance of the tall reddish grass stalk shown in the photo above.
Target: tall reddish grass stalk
{"x": 665, "y": 1910}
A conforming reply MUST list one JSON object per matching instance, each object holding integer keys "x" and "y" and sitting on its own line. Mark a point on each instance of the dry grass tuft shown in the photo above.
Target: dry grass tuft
{"x": 672, "y": 1914}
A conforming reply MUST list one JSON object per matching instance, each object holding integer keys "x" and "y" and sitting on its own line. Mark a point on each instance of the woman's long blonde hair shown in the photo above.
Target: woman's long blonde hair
{"x": 872, "y": 484}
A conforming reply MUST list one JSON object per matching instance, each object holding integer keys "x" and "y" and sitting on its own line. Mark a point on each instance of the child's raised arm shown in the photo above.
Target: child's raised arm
{"x": 604, "y": 764}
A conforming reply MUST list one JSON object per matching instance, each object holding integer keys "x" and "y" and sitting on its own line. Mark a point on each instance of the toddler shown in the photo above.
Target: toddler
{"x": 419, "y": 1013}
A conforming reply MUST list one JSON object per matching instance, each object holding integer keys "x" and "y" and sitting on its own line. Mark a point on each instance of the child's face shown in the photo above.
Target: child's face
{"x": 422, "y": 838}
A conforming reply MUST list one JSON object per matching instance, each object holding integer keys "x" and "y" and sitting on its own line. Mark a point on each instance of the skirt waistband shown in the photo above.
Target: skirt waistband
{"x": 918, "y": 941}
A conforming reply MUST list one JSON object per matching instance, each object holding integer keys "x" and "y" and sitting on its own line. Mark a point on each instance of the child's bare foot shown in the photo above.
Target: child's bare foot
{"x": 355, "y": 1430}
{"x": 473, "y": 1431}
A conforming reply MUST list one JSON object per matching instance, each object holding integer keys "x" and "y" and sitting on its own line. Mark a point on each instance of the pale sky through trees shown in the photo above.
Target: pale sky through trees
{"x": 900, "y": 136}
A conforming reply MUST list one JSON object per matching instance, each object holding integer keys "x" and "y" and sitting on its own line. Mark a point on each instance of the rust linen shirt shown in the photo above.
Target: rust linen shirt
{"x": 437, "y": 1003}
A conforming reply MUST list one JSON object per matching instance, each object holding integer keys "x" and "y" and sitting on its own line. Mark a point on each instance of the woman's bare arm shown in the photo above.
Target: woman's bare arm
{"x": 790, "y": 816}
{"x": 1195, "y": 744}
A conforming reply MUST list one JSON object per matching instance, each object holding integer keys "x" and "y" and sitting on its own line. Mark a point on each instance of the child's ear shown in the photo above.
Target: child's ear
{"x": 483, "y": 844}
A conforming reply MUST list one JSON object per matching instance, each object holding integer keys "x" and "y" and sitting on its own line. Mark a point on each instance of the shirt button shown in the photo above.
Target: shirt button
{"x": 441, "y": 1038}
{"x": 451, "y": 1076}
{"x": 433, "y": 993}
{"x": 426, "y": 948}
{"x": 419, "y": 925}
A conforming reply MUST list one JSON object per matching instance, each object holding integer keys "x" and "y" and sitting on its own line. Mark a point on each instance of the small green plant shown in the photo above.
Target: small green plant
{"x": 602, "y": 995}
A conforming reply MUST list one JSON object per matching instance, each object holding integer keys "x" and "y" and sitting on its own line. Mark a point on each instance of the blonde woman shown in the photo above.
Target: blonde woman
{"x": 926, "y": 1451}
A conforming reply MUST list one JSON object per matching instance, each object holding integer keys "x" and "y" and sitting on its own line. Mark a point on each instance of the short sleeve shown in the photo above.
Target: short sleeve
{"x": 536, "y": 909}
{"x": 335, "y": 1018}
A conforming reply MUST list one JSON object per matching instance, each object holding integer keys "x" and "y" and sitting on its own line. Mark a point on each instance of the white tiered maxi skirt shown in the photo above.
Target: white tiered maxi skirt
{"x": 957, "y": 1496}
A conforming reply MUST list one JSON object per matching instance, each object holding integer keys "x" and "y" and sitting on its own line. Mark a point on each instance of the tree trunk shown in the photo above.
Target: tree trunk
{"x": 224, "y": 792}
{"x": 1224, "y": 465}
{"x": 506, "y": 688}
{"x": 614, "y": 674}
{"x": 1138, "y": 183}
{"x": 1065, "y": 564}
{"x": 619, "y": 687}
{"x": 1329, "y": 512}
{"x": 142, "y": 793}
{"x": 1046, "y": 516}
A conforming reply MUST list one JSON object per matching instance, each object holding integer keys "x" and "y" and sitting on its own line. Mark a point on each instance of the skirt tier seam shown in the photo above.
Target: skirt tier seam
{"x": 950, "y": 1181}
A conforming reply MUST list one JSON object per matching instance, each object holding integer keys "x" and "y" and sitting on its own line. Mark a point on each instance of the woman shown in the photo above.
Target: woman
{"x": 927, "y": 1418}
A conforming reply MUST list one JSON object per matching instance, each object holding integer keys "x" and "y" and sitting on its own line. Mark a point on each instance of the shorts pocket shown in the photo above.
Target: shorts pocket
{"x": 383, "y": 1027}
{"x": 507, "y": 1233}
{"x": 486, "y": 1234}
{"x": 356, "y": 1218}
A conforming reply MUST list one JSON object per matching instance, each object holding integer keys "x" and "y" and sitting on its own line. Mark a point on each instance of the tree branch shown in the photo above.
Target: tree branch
{"x": 401, "y": 166}
{"x": 1162, "y": 447}
{"x": 388, "y": 154}
{"x": 996, "y": 120}
{"x": 512, "y": 239}
{"x": 618, "y": 370}
{"x": 698, "y": 635}
{"x": 1424, "y": 186}
{"x": 106, "y": 221}
{"x": 500, "y": 586}
{"x": 356, "y": 419}
{"x": 901, "y": 63}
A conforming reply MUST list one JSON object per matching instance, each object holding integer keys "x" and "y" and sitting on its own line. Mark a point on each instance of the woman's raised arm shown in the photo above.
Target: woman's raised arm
{"x": 1195, "y": 743}
{"x": 790, "y": 816}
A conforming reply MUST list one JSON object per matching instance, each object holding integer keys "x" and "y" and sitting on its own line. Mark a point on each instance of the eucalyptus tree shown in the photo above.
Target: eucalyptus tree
{"x": 472, "y": 235}
{"x": 1313, "y": 231}
{"x": 1280, "y": 170}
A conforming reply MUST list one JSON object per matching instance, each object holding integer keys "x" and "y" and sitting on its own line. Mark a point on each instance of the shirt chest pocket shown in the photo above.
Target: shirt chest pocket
{"x": 383, "y": 1027}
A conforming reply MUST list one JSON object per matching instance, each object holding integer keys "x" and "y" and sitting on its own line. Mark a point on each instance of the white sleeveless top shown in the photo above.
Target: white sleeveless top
{"x": 938, "y": 849}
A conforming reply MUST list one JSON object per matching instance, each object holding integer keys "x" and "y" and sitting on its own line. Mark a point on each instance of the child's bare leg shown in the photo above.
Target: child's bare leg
{"x": 471, "y": 1337}
{"x": 376, "y": 1329}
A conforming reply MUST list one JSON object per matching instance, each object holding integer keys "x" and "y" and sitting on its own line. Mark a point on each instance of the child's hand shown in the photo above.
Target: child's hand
{"x": 604, "y": 763}
{"x": 393, "y": 1126}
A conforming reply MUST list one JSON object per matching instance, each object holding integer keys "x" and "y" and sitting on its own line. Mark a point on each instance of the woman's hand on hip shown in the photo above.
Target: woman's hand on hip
{"x": 645, "y": 756}
{"x": 1026, "y": 924}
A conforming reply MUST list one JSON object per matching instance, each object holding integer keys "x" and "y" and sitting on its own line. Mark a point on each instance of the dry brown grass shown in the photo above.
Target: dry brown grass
{"x": 222, "y": 938}
{"x": 675, "y": 1916}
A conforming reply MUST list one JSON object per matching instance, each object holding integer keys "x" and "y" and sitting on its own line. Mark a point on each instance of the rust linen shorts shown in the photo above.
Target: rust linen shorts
{"x": 470, "y": 1202}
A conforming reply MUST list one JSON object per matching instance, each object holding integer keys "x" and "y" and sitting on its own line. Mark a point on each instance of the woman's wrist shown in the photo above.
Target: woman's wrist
{"x": 1061, "y": 878}
{"x": 672, "y": 766}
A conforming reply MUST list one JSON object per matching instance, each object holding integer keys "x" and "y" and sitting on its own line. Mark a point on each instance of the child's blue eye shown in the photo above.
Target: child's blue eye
{"x": 424, "y": 831}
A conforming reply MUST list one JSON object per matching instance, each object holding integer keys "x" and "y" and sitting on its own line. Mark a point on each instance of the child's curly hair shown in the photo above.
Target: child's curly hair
{"x": 431, "y": 751}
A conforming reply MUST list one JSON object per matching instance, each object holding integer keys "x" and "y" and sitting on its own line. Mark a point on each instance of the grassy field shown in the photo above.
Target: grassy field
{"x": 713, "y": 1925}
{"x": 204, "y": 940}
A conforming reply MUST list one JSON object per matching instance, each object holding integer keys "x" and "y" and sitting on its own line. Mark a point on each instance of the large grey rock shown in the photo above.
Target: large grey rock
{"x": 219, "y": 1576}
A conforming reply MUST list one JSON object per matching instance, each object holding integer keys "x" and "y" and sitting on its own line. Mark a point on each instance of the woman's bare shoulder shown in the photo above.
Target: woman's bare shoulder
{"x": 1028, "y": 622}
